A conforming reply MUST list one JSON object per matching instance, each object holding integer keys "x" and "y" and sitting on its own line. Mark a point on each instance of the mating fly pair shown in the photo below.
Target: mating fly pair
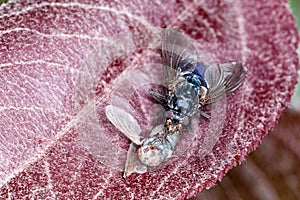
{"x": 190, "y": 86}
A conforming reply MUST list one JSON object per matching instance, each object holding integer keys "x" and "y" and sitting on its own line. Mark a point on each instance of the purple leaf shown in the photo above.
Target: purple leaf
{"x": 271, "y": 172}
{"x": 60, "y": 63}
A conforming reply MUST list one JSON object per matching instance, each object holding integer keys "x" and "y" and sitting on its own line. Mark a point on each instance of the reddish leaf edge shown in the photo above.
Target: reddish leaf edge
{"x": 254, "y": 145}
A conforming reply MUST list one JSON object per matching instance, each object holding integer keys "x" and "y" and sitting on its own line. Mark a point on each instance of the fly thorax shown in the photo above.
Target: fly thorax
{"x": 184, "y": 98}
{"x": 154, "y": 151}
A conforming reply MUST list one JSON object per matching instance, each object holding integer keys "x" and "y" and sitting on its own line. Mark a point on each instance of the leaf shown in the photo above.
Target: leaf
{"x": 61, "y": 62}
{"x": 273, "y": 168}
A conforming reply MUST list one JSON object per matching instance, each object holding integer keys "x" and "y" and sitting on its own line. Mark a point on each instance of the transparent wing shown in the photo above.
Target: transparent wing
{"x": 125, "y": 122}
{"x": 223, "y": 79}
{"x": 178, "y": 55}
{"x": 133, "y": 164}
{"x": 91, "y": 124}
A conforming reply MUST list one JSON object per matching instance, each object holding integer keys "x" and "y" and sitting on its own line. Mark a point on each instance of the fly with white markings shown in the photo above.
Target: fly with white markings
{"x": 191, "y": 85}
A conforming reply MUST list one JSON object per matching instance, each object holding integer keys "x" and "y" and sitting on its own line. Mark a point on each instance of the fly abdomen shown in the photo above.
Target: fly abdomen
{"x": 195, "y": 79}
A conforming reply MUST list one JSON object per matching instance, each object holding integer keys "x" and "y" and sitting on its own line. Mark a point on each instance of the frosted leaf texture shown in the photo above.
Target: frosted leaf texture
{"x": 61, "y": 63}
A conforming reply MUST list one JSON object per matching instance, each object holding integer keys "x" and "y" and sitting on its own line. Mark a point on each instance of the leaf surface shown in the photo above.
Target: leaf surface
{"x": 62, "y": 62}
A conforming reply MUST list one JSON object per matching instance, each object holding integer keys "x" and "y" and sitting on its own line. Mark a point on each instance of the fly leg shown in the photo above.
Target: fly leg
{"x": 159, "y": 98}
{"x": 205, "y": 115}
{"x": 202, "y": 101}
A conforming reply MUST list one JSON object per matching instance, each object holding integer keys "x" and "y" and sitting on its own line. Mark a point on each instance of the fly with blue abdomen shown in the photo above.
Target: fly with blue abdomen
{"x": 191, "y": 85}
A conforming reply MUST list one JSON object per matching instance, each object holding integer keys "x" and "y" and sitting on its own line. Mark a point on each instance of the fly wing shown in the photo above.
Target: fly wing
{"x": 125, "y": 122}
{"x": 133, "y": 164}
{"x": 178, "y": 55}
{"x": 223, "y": 79}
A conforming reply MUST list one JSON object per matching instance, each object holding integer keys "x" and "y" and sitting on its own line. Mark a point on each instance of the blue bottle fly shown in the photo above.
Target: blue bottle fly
{"x": 190, "y": 85}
